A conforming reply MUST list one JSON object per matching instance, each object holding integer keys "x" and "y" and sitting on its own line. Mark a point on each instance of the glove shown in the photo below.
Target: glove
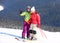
{"x": 38, "y": 26}
{"x": 21, "y": 11}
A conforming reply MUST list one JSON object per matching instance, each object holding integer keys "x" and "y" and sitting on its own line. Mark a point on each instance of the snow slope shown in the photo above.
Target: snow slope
{"x": 8, "y": 36}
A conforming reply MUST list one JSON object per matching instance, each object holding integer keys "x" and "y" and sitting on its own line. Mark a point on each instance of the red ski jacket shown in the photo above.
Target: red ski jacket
{"x": 34, "y": 19}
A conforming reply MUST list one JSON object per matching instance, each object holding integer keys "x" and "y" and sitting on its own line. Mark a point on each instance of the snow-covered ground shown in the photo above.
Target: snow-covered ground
{"x": 8, "y": 36}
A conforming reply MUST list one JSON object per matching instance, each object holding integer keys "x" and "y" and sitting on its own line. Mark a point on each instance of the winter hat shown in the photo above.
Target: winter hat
{"x": 28, "y": 7}
{"x": 33, "y": 9}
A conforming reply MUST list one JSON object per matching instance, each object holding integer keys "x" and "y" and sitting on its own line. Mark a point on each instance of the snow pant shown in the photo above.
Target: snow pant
{"x": 33, "y": 27}
{"x": 25, "y": 31}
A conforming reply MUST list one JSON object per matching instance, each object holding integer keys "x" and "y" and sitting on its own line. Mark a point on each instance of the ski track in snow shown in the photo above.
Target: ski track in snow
{"x": 8, "y": 36}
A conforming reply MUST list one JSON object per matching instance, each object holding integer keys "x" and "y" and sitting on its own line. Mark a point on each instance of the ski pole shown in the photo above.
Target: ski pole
{"x": 43, "y": 34}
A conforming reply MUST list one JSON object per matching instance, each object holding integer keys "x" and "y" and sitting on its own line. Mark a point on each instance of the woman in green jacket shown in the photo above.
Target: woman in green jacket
{"x": 26, "y": 26}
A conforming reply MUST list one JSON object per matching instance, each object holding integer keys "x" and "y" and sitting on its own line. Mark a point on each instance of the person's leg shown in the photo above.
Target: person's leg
{"x": 31, "y": 26}
{"x": 33, "y": 36}
{"x": 35, "y": 32}
{"x": 28, "y": 33}
{"x": 24, "y": 30}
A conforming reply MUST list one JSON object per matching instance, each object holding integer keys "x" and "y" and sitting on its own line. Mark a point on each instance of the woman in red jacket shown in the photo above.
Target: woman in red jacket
{"x": 35, "y": 22}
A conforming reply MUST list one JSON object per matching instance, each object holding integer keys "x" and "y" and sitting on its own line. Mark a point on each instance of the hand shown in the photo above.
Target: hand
{"x": 38, "y": 26}
{"x": 20, "y": 11}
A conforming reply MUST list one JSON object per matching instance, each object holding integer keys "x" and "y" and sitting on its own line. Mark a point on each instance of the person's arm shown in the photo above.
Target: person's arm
{"x": 23, "y": 14}
{"x": 38, "y": 20}
{"x": 29, "y": 22}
